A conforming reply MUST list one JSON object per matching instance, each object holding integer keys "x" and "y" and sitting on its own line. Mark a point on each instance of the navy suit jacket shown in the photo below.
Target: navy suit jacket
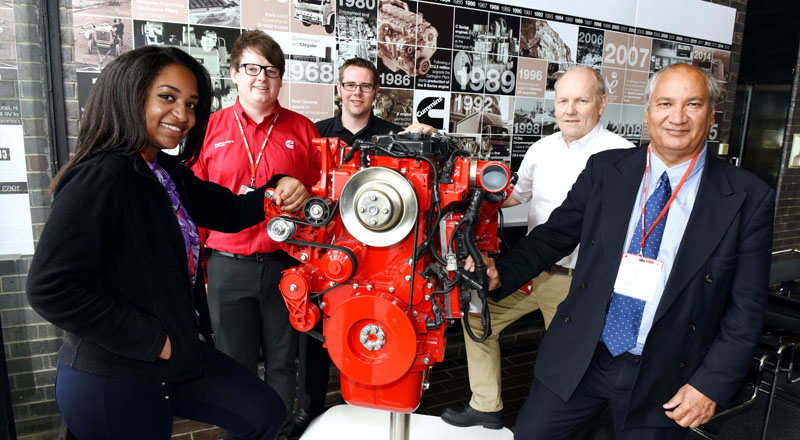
{"x": 709, "y": 318}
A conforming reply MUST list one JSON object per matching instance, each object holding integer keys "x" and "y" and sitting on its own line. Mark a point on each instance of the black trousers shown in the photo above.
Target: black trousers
{"x": 248, "y": 314}
{"x": 607, "y": 383}
{"x": 314, "y": 368}
{"x": 226, "y": 395}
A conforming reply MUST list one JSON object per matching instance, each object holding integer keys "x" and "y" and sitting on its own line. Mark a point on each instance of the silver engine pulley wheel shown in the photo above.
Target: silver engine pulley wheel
{"x": 378, "y": 206}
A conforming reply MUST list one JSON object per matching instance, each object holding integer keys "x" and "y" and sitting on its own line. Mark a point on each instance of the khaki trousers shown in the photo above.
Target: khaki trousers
{"x": 483, "y": 359}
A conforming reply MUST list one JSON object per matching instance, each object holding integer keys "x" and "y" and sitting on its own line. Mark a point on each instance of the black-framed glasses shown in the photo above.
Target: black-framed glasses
{"x": 253, "y": 69}
{"x": 351, "y": 86}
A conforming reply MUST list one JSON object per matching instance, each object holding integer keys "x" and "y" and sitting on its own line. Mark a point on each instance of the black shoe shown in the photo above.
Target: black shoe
{"x": 295, "y": 426}
{"x": 469, "y": 416}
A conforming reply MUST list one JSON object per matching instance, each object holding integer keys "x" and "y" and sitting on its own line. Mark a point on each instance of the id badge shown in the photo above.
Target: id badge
{"x": 638, "y": 277}
{"x": 244, "y": 189}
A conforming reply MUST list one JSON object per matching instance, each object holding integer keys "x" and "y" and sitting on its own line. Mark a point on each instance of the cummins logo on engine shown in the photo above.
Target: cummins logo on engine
{"x": 424, "y": 109}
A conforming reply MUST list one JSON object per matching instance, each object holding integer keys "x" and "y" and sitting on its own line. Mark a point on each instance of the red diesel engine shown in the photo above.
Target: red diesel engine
{"x": 382, "y": 242}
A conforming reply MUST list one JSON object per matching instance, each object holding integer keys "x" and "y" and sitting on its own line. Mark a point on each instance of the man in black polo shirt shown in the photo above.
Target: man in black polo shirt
{"x": 358, "y": 87}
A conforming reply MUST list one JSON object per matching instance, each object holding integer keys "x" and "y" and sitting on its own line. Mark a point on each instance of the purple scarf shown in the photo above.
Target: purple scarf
{"x": 188, "y": 228}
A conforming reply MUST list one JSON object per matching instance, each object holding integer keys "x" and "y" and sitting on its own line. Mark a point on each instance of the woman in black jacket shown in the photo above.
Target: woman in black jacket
{"x": 117, "y": 262}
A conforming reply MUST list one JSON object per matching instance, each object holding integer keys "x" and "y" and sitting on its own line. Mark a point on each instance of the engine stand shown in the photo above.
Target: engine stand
{"x": 399, "y": 424}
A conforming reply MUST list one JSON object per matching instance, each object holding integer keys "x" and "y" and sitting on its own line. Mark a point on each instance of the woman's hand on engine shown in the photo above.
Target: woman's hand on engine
{"x": 491, "y": 270}
{"x": 290, "y": 194}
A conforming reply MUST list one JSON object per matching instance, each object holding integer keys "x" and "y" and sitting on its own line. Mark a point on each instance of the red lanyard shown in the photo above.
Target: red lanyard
{"x": 669, "y": 202}
{"x": 254, "y": 163}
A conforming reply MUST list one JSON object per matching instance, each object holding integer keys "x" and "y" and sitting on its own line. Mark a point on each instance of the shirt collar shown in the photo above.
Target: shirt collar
{"x": 675, "y": 173}
{"x": 585, "y": 140}
{"x": 245, "y": 118}
{"x": 339, "y": 127}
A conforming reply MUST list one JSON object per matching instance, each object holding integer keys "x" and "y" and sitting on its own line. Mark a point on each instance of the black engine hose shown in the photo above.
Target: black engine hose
{"x": 481, "y": 280}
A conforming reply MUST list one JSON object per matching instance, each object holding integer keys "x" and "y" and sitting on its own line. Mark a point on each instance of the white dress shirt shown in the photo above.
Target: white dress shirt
{"x": 550, "y": 168}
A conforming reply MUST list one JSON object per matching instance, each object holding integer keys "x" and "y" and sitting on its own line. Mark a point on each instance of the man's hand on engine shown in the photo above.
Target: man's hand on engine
{"x": 419, "y": 127}
{"x": 290, "y": 194}
{"x": 491, "y": 270}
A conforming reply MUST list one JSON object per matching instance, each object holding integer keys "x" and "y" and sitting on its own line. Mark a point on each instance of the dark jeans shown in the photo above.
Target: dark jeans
{"x": 607, "y": 383}
{"x": 248, "y": 314}
{"x": 226, "y": 395}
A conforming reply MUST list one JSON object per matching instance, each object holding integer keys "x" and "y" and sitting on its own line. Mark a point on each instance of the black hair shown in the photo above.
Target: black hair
{"x": 114, "y": 117}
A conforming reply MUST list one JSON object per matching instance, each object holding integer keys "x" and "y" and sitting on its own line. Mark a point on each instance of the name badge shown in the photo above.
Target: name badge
{"x": 638, "y": 277}
{"x": 244, "y": 189}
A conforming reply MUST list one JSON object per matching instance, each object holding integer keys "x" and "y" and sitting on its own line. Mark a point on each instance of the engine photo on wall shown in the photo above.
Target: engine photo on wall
{"x": 491, "y": 64}
{"x": 406, "y": 43}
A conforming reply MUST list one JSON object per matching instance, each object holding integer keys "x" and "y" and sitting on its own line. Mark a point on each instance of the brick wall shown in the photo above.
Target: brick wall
{"x": 30, "y": 342}
{"x": 787, "y": 213}
{"x": 736, "y": 50}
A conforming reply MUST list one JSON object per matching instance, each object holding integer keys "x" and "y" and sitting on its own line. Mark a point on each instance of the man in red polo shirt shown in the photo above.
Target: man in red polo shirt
{"x": 246, "y": 145}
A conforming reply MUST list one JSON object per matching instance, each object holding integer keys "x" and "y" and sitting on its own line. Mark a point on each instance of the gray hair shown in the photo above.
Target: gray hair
{"x": 714, "y": 91}
{"x": 600, "y": 82}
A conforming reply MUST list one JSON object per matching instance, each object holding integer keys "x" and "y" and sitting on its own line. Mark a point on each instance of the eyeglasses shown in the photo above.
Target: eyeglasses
{"x": 365, "y": 87}
{"x": 255, "y": 70}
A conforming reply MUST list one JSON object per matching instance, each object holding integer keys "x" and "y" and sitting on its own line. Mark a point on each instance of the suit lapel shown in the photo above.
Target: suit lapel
{"x": 714, "y": 208}
{"x": 619, "y": 195}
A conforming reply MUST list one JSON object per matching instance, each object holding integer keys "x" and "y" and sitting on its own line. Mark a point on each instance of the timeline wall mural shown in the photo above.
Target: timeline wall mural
{"x": 476, "y": 68}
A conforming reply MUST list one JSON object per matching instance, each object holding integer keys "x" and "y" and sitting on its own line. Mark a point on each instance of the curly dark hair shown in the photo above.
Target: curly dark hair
{"x": 114, "y": 116}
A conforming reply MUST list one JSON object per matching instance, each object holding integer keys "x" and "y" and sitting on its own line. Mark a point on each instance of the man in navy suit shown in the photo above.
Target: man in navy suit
{"x": 677, "y": 298}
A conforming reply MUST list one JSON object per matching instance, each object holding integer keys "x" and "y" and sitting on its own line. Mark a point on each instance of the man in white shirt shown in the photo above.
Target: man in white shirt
{"x": 548, "y": 171}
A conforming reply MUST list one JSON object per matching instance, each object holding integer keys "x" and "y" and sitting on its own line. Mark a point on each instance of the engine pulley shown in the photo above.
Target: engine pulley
{"x": 371, "y": 340}
{"x": 378, "y": 206}
{"x": 316, "y": 210}
{"x": 280, "y": 229}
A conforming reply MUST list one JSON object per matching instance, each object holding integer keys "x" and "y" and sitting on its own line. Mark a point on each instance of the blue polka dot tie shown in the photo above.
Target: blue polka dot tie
{"x": 625, "y": 313}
